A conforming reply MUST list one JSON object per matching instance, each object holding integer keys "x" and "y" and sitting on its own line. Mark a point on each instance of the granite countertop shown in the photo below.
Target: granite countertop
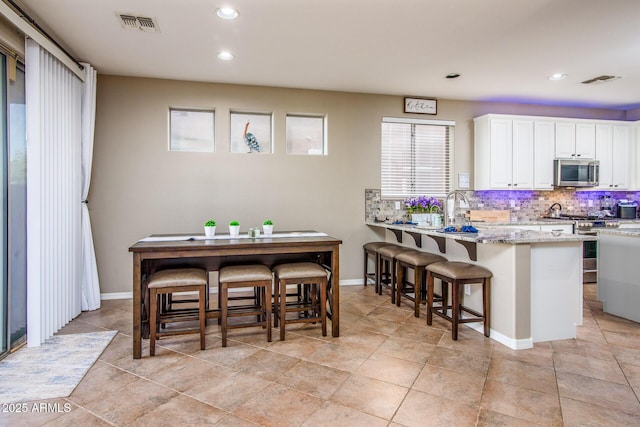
{"x": 632, "y": 232}
{"x": 490, "y": 234}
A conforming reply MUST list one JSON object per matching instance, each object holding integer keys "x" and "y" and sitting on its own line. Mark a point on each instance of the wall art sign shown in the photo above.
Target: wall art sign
{"x": 420, "y": 105}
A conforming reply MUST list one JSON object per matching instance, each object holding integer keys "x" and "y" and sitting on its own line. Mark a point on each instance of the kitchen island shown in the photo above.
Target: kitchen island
{"x": 618, "y": 284}
{"x": 536, "y": 289}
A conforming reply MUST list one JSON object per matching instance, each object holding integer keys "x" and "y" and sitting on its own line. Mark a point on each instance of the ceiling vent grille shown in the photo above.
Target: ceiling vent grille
{"x": 141, "y": 23}
{"x": 600, "y": 80}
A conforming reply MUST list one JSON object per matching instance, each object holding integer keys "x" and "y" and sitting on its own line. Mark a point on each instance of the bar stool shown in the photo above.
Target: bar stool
{"x": 314, "y": 278}
{"x": 241, "y": 276}
{"x": 166, "y": 282}
{"x": 458, "y": 274}
{"x": 416, "y": 291}
{"x": 371, "y": 249}
{"x": 387, "y": 268}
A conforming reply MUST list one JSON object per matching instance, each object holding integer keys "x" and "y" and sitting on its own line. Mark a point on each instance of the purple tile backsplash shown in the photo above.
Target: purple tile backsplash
{"x": 529, "y": 205}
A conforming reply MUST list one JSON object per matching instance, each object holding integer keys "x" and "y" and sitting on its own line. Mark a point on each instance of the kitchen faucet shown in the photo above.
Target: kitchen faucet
{"x": 451, "y": 213}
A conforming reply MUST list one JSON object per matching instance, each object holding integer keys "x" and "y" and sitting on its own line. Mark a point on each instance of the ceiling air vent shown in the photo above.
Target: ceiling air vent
{"x": 600, "y": 79}
{"x": 141, "y": 23}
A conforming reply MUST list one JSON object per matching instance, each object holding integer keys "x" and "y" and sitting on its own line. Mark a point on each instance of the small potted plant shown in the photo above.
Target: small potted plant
{"x": 234, "y": 228}
{"x": 267, "y": 227}
{"x": 210, "y": 228}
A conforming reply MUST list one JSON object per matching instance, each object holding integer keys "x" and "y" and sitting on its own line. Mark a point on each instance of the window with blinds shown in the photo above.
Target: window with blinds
{"x": 416, "y": 157}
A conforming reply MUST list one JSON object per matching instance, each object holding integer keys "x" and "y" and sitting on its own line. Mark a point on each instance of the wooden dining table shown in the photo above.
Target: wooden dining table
{"x": 158, "y": 252}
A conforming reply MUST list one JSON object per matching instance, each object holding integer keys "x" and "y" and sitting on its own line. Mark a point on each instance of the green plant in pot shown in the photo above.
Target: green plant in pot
{"x": 210, "y": 228}
{"x": 267, "y": 227}
{"x": 234, "y": 228}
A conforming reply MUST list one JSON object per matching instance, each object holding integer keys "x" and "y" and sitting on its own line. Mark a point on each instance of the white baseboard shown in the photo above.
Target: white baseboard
{"x": 513, "y": 344}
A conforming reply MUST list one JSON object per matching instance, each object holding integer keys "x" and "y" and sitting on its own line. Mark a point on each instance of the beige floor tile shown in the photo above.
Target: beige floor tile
{"x": 377, "y": 325}
{"x": 607, "y": 370}
{"x": 369, "y": 395}
{"x": 361, "y": 340}
{"x": 523, "y": 375}
{"x": 341, "y": 357}
{"x": 540, "y": 355}
{"x": 450, "y": 384}
{"x": 623, "y": 339}
{"x": 189, "y": 372}
{"x": 233, "y": 353}
{"x": 390, "y": 369}
{"x": 317, "y": 380}
{"x": 28, "y": 414}
{"x": 278, "y": 406}
{"x": 628, "y": 356}
{"x": 125, "y": 405}
{"x": 390, "y": 312}
{"x": 496, "y": 419}
{"x": 229, "y": 392}
{"x": 297, "y": 345}
{"x": 539, "y": 408}
{"x": 455, "y": 360}
{"x": 590, "y": 334}
{"x": 469, "y": 341}
{"x": 632, "y": 373}
{"x": 413, "y": 351}
{"x": 77, "y": 417}
{"x": 420, "y": 333}
{"x": 266, "y": 364}
{"x": 233, "y": 421}
{"x": 100, "y": 381}
{"x": 425, "y": 410}
{"x": 598, "y": 392}
{"x": 577, "y": 413}
{"x": 181, "y": 410}
{"x": 584, "y": 348}
{"x": 331, "y": 414}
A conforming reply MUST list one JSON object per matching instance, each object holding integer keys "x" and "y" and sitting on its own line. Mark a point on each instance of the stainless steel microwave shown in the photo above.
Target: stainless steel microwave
{"x": 575, "y": 173}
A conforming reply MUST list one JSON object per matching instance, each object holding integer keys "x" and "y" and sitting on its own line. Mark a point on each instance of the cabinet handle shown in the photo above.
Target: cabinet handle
{"x": 508, "y": 185}
{"x": 616, "y": 185}
{"x": 578, "y": 155}
{"x": 610, "y": 185}
{"x": 515, "y": 185}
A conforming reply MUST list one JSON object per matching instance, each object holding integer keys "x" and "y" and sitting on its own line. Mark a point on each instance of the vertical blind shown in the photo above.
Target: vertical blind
{"x": 53, "y": 194}
{"x": 416, "y": 157}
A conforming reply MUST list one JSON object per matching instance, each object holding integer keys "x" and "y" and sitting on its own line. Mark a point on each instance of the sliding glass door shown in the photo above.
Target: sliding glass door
{"x": 13, "y": 227}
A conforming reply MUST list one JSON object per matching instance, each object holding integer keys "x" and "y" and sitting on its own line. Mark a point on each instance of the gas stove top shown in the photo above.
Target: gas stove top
{"x": 586, "y": 223}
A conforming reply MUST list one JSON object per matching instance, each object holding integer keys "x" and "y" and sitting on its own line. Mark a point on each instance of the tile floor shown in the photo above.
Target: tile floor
{"x": 386, "y": 369}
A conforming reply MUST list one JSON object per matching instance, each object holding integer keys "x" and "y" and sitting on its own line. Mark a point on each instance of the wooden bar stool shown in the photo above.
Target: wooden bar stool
{"x": 387, "y": 268}
{"x": 243, "y": 276}
{"x": 458, "y": 274}
{"x": 166, "y": 282}
{"x": 416, "y": 291}
{"x": 314, "y": 306}
{"x": 371, "y": 249}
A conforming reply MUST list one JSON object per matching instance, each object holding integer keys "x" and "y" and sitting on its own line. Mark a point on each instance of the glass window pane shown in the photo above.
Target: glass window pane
{"x": 305, "y": 135}
{"x": 191, "y": 130}
{"x": 251, "y": 133}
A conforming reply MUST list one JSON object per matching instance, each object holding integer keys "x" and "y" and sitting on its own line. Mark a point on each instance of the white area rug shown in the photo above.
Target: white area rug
{"x": 52, "y": 370}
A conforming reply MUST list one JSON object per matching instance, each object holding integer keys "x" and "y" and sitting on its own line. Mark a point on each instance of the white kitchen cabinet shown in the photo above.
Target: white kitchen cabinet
{"x": 563, "y": 228}
{"x": 575, "y": 140}
{"x": 543, "y": 154}
{"x": 513, "y": 153}
{"x": 613, "y": 144}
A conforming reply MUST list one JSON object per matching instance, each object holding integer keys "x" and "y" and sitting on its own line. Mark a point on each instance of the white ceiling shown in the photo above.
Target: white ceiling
{"x": 503, "y": 49}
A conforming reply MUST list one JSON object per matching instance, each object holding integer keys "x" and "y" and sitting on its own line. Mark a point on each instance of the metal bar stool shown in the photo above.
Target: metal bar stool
{"x": 458, "y": 274}
{"x": 371, "y": 249}
{"x": 241, "y": 276}
{"x": 387, "y": 268}
{"x": 171, "y": 281}
{"x": 416, "y": 291}
{"x": 314, "y": 278}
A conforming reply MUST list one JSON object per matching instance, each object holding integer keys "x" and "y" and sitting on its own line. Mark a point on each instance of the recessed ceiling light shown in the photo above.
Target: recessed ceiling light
{"x": 227, "y": 13}
{"x": 225, "y": 56}
{"x": 557, "y": 76}
{"x": 452, "y": 75}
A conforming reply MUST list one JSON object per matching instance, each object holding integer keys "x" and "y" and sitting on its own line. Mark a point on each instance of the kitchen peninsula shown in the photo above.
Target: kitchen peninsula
{"x": 618, "y": 286}
{"x": 536, "y": 289}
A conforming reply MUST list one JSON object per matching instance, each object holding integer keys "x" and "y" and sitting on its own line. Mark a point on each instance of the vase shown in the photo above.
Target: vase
{"x": 209, "y": 231}
{"x": 234, "y": 230}
{"x": 421, "y": 218}
{"x": 268, "y": 229}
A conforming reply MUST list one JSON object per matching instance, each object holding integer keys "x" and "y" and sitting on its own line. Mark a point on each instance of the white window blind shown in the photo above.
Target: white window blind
{"x": 415, "y": 157}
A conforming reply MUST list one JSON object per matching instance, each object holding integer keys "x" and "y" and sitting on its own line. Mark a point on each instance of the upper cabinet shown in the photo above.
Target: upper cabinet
{"x": 508, "y": 155}
{"x": 575, "y": 140}
{"x": 517, "y": 152}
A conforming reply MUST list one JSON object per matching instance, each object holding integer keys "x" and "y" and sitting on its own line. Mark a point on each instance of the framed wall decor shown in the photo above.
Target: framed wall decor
{"x": 251, "y": 132}
{"x": 420, "y": 105}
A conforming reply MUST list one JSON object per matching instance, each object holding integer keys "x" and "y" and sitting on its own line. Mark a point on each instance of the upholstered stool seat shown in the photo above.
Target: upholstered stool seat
{"x": 245, "y": 276}
{"x": 387, "y": 268}
{"x": 458, "y": 274}
{"x": 416, "y": 291}
{"x": 371, "y": 250}
{"x": 166, "y": 282}
{"x": 312, "y": 303}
